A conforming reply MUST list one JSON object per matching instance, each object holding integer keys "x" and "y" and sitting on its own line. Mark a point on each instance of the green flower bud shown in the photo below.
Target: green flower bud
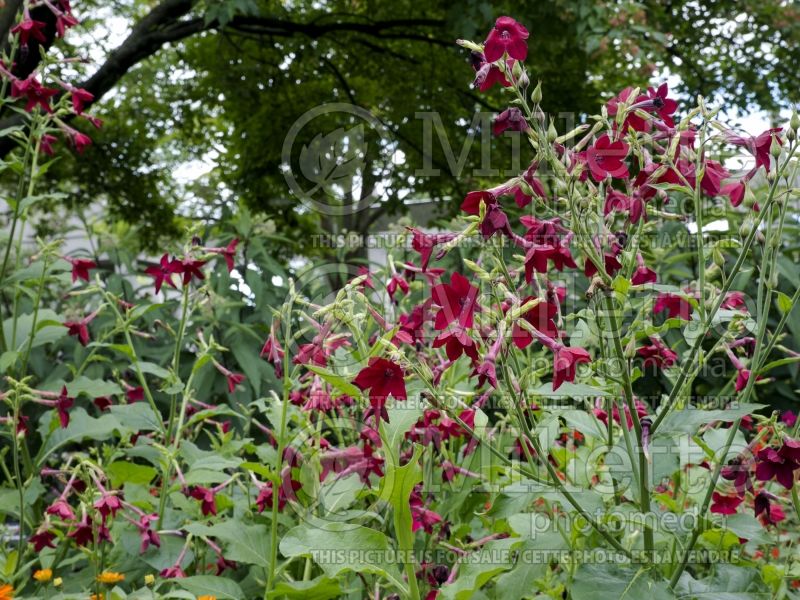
{"x": 775, "y": 147}
{"x": 746, "y": 227}
{"x": 794, "y": 122}
{"x": 536, "y": 94}
{"x": 552, "y": 134}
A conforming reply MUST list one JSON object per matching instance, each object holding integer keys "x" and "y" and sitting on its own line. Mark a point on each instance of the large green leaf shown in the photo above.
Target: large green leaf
{"x": 340, "y": 547}
{"x": 612, "y": 582}
{"x": 221, "y": 588}
{"x": 244, "y": 543}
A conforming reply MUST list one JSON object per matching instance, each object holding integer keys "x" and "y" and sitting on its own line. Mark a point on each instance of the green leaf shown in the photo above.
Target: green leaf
{"x": 784, "y": 303}
{"x": 321, "y": 588}
{"x": 93, "y": 388}
{"x": 137, "y": 416}
{"x": 336, "y": 381}
{"x": 45, "y": 335}
{"x": 339, "y": 547}
{"x": 690, "y": 418}
{"x": 81, "y": 427}
{"x": 219, "y": 587}
{"x": 477, "y": 569}
{"x": 613, "y": 582}
{"x": 245, "y": 543}
{"x": 127, "y": 472}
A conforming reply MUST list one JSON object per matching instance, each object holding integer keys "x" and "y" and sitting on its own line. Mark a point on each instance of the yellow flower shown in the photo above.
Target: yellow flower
{"x": 58, "y": 581}
{"x": 43, "y": 575}
{"x": 6, "y": 592}
{"x": 149, "y": 579}
{"x": 110, "y": 577}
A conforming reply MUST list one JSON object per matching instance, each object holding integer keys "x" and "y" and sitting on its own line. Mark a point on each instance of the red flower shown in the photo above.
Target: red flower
{"x": 488, "y": 73}
{"x": 46, "y": 144}
{"x": 286, "y": 492}
{"x": 80, "y": 328}
{"x": 63, "y": 404}
{"x": 397, "y": 281}
{"x": 234, "y": 379}
{"x": 274, "y": 353}
{"x": 382, "y": 378}
{"x": 725, "y": 505}
{"x": 80, "y": 267}
{"x": 529, "y": 177}
{"x": 735, "y": 191}
{"x": 207, "y": 497}
{"x": 507, "y": 36}
{"x": 541, "y": 317}
{"x": 664, "y": 107}
{"x": 765, "y": 511}
{"x": 457, "y": 342}
{"x": 103, "y": 402}
{"x": 173, "y": 572}
{"x": 424, "y": 243}
{"x": 472, "y": 201}
{"x": 367, "y": 283}
{"x": 80, "y": 98}
{"x": 42, "y": 540}
{"x": 34, "y": 92}
{"x": 607, "y": 158}
{"x": 676, "y": 306}
{"x": 458, "y": 301}
{"x": 80, "y": 141}
{"x": 565, "y": 362}
{"x": 228, "y": 253}
{"x": 771, "y": 464}
{"x": 108, "y": 504}
{"x": 632, "y": 120}
{"x": 64, "y": 20}
{"x": 134, "y": 394}
{"x": 163, "y": 272}
{"x": 657, "y": 354}
{"x": 495, "y": 221}
{"x": 28, "y": 28}
{"x": 61, "y": 509}
{"x": 611, "y": 265}
{"x": 190, "y": 268}
{"x": 511, "y": 118}
{"x": 643, "y": 274}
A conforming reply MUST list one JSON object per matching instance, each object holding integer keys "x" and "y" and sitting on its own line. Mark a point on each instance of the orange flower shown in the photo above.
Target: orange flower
{"x": 110, "y": 577}
{"x": 6, "y": 592}
{"x": 43, "y": 575}
{"x": 208, "y": 597}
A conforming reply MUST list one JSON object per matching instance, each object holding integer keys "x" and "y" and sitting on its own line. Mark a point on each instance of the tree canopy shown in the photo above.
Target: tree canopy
{"x": 219, "y": 83}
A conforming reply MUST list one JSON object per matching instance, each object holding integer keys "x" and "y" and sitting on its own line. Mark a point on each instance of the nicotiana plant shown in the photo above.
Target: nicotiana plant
{"x": 473, "y": 419}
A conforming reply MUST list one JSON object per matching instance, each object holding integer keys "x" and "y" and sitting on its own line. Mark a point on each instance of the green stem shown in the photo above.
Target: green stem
{"x": 696, "y": 345}
{"x": 281, "y": 435}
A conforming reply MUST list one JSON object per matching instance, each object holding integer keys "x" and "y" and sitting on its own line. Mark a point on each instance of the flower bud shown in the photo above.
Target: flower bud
{"x": 794, "y": 122}
{"x": 552, "y": 134}
{"x": 791, "y": 135}
{"x": 536, "y": 94}
{"x": 749, "y": 197}
{"x": 718, "y": 257}
{"x": 746, "y": 228}
{"x": 775, "y": 147}
{"x": 523, "y": 81}
{"x": 713, "y": 272}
